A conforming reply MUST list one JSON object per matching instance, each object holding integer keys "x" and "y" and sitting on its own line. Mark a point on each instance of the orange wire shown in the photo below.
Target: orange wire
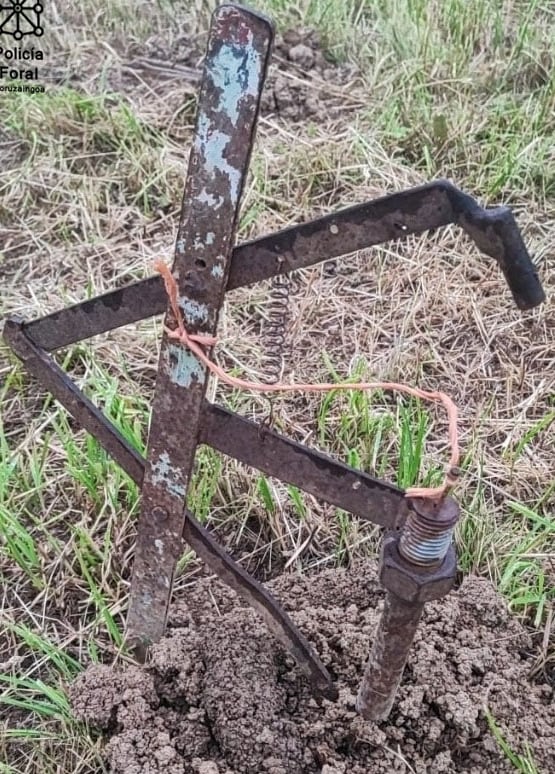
{"x": 196, "y": 342}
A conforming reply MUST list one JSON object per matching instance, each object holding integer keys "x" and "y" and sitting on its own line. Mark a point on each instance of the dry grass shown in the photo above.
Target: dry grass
{"x": 90, "y": 191}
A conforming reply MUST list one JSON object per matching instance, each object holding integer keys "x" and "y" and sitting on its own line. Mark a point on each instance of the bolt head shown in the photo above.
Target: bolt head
{"x": 159, "y": 514}
{"x": 412, "y": 582}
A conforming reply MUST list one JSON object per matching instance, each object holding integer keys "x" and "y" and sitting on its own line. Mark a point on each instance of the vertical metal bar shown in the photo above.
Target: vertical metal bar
{"x": 384, "y": 669}
{"x": 235, "y": 65}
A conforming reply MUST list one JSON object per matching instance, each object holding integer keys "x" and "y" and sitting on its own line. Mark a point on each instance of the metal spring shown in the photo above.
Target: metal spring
{"x": 274, "y": 328}
{"x": 426, "y": 540}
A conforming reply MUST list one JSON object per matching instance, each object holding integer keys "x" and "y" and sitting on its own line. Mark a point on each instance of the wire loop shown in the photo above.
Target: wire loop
{"x": 196, "y": 342}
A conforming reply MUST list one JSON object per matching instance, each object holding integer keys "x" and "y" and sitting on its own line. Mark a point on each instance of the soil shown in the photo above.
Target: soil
{"x": 220, "y": 696}
{"x": 302, "y": 84}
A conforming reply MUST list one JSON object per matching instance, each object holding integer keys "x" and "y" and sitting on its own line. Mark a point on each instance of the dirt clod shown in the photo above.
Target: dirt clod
{"x": 302, "y": 83}
{"x": 220, "y": 696}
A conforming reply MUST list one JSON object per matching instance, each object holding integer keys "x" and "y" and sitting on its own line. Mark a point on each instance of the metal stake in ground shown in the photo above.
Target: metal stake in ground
{"x": 415, "y": 567}
{"x": 234, "y": 71}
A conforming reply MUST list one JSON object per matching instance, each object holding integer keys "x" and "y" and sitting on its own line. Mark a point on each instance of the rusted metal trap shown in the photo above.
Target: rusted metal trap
{"x": 418, "y": 561}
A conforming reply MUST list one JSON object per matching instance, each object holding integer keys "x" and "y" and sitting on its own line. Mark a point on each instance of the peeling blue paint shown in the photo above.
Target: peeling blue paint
{"x": 217, "y": 271}
{"x": 193, "y": 311}
{"x": 211, "y": 143}
{"x": 163, "y": 474}
{"x": 200, "y": 242}
{"x": 235, "y": 71}
{"x": 184, "y": 368}
{"x": 180, "y": 246}
{"x": 212, "y": 201}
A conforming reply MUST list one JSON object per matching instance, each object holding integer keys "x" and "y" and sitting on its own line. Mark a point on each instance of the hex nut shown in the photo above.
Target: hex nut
{"x": 412, "y": 582}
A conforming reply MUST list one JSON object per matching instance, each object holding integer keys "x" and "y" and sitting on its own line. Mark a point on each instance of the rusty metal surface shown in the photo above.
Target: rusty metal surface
{"x": 418, "y": 564}
{"x": 234, "y": 71}
{"x": 353, "y": 490}
{"x": 496, "y": 234}
{"x": 415, "y": 583}
{"x": 354, "y": 228}
{"x": 48, "y": 372}
{"x": 384, "y": 669}
{"x": 389, "y": 218}
{"x": 409, "y": 586}
{"x": 315, "y": 473}
{"x": 334, "y": 482}
{"x": 111, "y": 310}
{"x": 91, "y": 419}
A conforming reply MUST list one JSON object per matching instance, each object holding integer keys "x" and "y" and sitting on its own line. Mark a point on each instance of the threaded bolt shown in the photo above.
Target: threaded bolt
{"x": 428, "y": 530}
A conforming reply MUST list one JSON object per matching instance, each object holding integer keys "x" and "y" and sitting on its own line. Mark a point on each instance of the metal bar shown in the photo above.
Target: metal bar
{"x": 329, "y": 480}
{"x": 354, "y": 228}
{"x": 346, "y": 231}
{"x": 314, "y": 472}
{"x": 276, "y": 619}
{"x": 234, "y": 71}
{"x": 430, "y": 206}
{"x": 384, "y": 669}
{"x": 496, "y": 234}
{"x": 111, "y": 310}
{"x": 48, "y": 372}
{"x": 89, "y": 417}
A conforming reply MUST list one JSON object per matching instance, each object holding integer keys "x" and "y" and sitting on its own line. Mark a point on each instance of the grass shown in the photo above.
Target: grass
{"x": 521, "y": 763}
{"x": 89, "y": 195}
{"x": 430, "y": 64}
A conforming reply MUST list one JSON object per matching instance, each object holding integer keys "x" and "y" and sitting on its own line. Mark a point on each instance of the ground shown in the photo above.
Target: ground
{"x": 219, "y": 692}
{"x": 363, "y": 99}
